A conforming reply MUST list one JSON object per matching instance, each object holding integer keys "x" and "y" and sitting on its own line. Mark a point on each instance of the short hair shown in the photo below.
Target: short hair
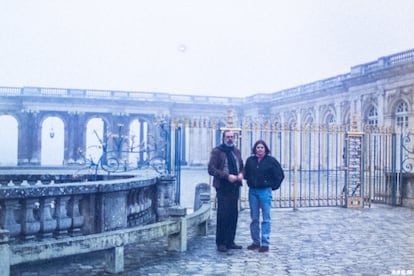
{"x": 267, "y": 150}
{"x": 224, "y": 133}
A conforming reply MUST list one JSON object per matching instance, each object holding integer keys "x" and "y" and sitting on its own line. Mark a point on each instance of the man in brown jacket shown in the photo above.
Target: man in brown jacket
{"x": 225, "y": 166}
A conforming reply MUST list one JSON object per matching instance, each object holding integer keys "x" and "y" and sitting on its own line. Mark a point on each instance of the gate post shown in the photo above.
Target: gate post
{"x": 353, "y": 189}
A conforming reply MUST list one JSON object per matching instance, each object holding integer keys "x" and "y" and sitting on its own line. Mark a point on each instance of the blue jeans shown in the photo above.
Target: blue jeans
{"x": 260, "y": 199}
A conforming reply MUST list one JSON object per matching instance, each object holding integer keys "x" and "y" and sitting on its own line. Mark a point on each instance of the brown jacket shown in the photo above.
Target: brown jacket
{"x": 216, "y": 165}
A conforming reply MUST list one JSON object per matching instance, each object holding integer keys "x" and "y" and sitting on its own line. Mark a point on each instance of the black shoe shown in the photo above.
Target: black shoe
{"x": 222, "y": 248}
{"x": 264, "y": 249}
{"x": 253, "y": 246}
{"x": 234, "y": 246}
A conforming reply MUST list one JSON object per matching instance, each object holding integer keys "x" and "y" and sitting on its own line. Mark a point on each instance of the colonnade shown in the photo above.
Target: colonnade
{"x": 378, "y": 94}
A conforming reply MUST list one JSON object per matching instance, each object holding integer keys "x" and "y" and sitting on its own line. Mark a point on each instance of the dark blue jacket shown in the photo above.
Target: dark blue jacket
{"x": 264, "y": 174}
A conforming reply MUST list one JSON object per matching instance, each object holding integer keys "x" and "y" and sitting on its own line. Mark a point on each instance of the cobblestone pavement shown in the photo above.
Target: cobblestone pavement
{"x": 308, "y": 241}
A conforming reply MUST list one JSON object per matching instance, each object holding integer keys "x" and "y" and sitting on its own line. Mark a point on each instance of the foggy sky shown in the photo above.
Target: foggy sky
{"x": 223, "y": 48}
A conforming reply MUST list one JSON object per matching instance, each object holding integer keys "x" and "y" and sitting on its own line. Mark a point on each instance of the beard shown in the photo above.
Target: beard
{"x": 229, "y": 144}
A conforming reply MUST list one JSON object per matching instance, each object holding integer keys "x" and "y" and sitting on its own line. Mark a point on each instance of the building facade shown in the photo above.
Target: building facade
{"x": 40, "y": 123}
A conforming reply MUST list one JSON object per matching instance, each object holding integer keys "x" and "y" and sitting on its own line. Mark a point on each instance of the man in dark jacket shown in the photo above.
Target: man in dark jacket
{"x": 225, "y": 166}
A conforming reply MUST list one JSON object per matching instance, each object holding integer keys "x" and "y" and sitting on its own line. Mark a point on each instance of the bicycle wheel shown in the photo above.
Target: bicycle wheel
{"x": 110, "y": 165}
{"x": 158, "y": 164}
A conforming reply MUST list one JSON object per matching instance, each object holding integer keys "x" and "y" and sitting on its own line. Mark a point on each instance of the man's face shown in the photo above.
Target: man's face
{"x": 229, "y": 138}
{"x": 260, "y": 149}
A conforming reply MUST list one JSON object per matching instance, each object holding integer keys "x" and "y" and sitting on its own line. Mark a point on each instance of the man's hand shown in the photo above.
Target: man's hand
{"x": 240, "y": 177}
{"x": 232, "y": 178}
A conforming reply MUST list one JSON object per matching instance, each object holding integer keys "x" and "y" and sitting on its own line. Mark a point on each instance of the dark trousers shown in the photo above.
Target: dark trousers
{"x": 227, "y": 213}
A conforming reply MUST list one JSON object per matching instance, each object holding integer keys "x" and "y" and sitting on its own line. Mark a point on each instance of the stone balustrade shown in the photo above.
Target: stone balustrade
{"x": 44, "y": 209}
{"x": 321, "y": 85}
{"x": 43, "y": 221}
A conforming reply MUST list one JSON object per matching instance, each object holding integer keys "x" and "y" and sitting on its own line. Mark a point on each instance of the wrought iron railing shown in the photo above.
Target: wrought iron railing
{"x": 407, "y": 154}
{"x": 153, "y": 153}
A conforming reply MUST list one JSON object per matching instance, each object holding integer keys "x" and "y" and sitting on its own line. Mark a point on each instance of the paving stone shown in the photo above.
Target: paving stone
{"x": 309, "y": 241}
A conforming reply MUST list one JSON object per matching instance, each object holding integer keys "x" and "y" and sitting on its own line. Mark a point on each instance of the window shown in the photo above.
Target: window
{"x": 401, "y": 115}
{"x": 373, "y": 117}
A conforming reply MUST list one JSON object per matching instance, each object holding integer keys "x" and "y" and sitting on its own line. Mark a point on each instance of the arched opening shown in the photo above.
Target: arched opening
{"x": 8, "y": 140}
{"x": 52, "y": 139}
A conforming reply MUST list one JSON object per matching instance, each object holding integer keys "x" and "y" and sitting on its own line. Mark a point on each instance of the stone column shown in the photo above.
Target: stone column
{"x": 74, "y": 213}
{"x": 47, "y": 222}
{"x": 185, "y": 145}
{"x": 381, "y": 108}
{"x": 30, "y": 226}
{"x": 205, "y": 153}
{"x": 193, "y": 141}
{"x": 29, "y": 140}
{"x": 75, "y": 130}
{"x": 10, "y": 222}
{"x": 36, "y": 141}
{"x": 338, "y": 111}
{"x": 63, "y": 221}
{"x": 4, "y": 253}
{"x": 317, "y": 119}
